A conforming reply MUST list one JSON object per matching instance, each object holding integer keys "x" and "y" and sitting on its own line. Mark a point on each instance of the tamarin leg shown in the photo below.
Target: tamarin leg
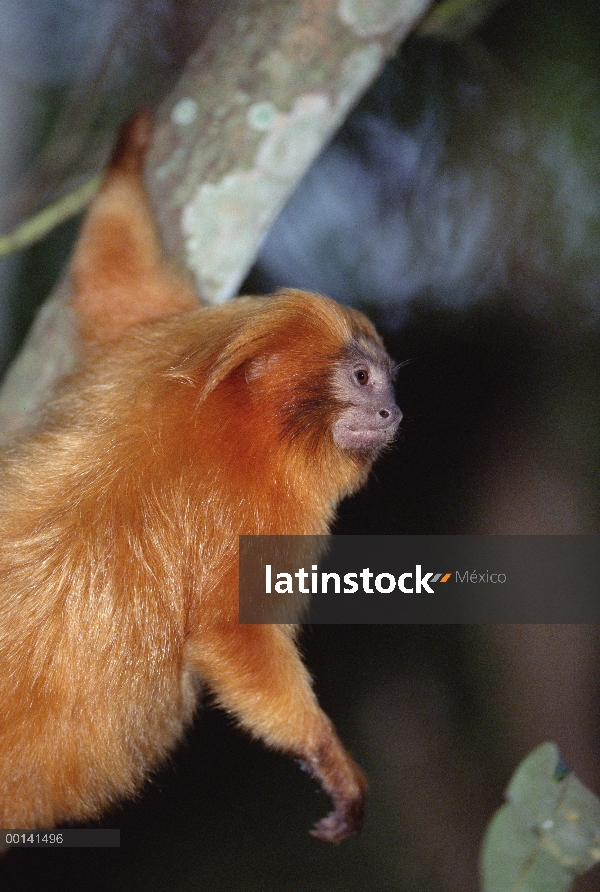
{"x": 119, "y": 276}
{"x": 256, "y": 673}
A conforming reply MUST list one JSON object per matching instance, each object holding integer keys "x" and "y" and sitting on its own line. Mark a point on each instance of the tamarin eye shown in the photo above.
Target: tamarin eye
{"x": 362, "y": 376}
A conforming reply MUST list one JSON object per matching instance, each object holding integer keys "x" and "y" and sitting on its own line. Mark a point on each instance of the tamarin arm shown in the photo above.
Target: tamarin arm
{"x": 256, "y": 674}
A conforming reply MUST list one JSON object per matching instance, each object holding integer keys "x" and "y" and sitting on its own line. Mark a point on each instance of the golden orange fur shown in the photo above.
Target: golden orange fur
{"x": 183, "y": 428}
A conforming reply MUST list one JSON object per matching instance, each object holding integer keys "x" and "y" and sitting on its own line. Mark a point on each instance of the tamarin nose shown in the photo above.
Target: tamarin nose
{"x": 391, "y": 415}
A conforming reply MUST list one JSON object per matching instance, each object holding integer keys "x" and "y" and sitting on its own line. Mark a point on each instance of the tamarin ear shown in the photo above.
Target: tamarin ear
{"x": 246, "y": 330}
{"x": 118, "y": 275}
{"x": 241, "y": 350}
{"x": 264, "y": 330}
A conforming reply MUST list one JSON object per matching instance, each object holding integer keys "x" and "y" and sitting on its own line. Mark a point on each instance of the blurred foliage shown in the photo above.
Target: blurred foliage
{"x": 546, "y": 834}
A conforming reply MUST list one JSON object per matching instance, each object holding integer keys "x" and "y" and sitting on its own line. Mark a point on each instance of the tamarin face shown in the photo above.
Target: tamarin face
{"x": 363, "y": 385}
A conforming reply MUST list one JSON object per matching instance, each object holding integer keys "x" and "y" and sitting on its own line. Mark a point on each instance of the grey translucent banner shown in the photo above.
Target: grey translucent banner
{"x": 420, "y": 579}
{"x": 58, "y": 838}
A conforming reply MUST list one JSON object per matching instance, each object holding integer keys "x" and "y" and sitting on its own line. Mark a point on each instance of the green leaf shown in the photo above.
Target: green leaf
{"x": 547, "y": 833}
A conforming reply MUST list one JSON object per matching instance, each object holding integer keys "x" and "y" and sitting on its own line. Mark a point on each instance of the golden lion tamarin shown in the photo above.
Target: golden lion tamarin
{"x": 183, "y": 427}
